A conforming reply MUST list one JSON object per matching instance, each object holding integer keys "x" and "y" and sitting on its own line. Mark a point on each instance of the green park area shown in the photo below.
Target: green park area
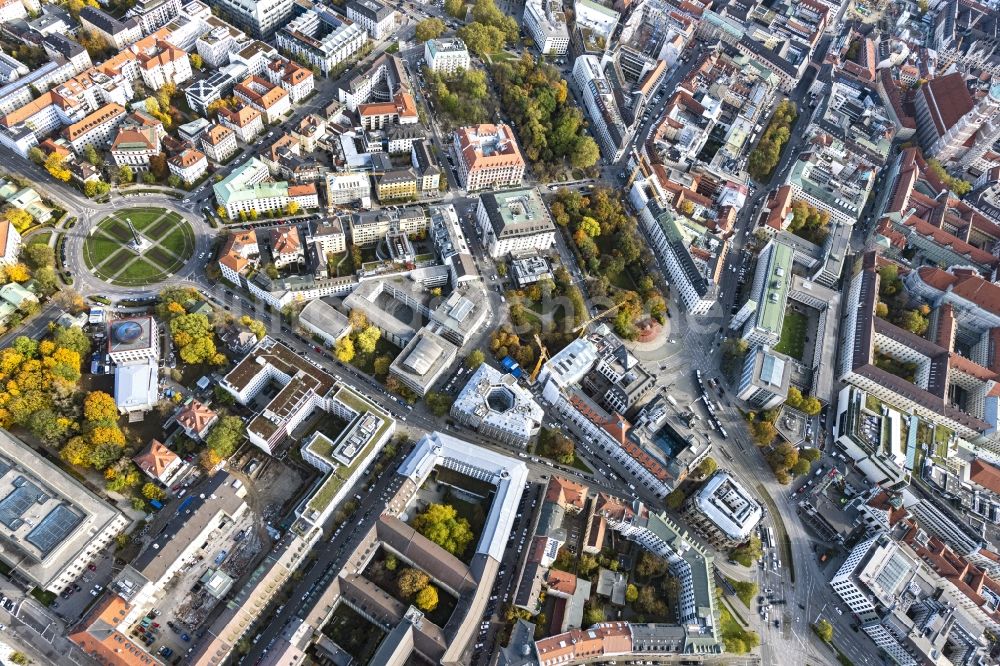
{"x": 168, "y": 244}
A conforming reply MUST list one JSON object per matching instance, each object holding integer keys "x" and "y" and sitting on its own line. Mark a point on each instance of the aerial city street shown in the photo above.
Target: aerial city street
{"x": 499, "y": 332}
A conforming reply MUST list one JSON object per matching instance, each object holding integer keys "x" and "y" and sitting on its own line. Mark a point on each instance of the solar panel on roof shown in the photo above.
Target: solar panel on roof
{"x": 13, "y": 506}
{"x": 54, "y": 528}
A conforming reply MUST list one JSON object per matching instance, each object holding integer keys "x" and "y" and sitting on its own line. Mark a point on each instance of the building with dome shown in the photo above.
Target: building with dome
{"x": 133, "y": 340}
{"x": 134, "y": 348}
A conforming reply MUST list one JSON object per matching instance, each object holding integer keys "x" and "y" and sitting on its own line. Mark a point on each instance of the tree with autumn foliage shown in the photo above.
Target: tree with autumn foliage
{"x": 99, "y": 407}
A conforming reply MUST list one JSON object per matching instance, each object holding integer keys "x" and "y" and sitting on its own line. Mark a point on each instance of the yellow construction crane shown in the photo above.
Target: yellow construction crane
{"x": 583, "y": 327}
{"x": 543, "y": 355}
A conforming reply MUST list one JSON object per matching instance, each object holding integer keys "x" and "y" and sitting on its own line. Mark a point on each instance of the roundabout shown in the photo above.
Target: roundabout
{"x": 135, "y": 247}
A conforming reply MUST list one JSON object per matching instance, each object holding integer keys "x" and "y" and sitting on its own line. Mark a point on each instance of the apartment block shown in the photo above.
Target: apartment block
{"x": 545, "y": 21}
{"x": 97, "y": 129}
{"x": 119, "y": 34}
{"x": 261, "y": 18}
{"x": 246, "y": 121}
{"x": 322, "y": 38}
{"x": 377, "y": 19}
{"x": 446, "y": 55}
{"x": 219, "y": 143}
{"x": 188, "y": 165}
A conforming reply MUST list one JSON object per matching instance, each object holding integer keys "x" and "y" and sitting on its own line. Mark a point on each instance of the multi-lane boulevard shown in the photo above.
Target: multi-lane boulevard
{"x": 807, "y": 598}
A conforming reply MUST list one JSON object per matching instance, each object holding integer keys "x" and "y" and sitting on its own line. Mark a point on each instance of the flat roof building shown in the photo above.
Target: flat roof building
{"x": 446, "y": 55}
{"x": 723, "y": 511}
{"x": 496, "y": 405}
{"x": 765, "y": 378}
{"x": 422, "y": 362}
{"x": 322, "y": 319}
{"x": 514, "y": 222}
{"x": 51, "y": 526}
{"x": 764, "y": 311}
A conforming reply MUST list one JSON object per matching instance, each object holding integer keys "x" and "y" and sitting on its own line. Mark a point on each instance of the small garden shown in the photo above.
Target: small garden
{"x": 902, "y": 369}
{"x": 410, "y": 586}
{"x": 894, "y": 303}
{"x": 353, "y": 633}
{"x": 793, "y": 334}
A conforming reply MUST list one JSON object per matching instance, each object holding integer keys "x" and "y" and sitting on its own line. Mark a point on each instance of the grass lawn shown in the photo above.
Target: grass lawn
{"x": 139, "y": 271}
{"x": 178, "y": 241}
{"x": 41, "y": 239}
{"x": 97, "y": 249}
{"x": 580, "y": 465}
{"x": 793, "y": 334}
{"x": 736, "y": 638}
{"x": 105, "y": 254}
{"x": 873, "y": 404}
{"x": 745, "y": 590}
{"x": 141, "y": 217}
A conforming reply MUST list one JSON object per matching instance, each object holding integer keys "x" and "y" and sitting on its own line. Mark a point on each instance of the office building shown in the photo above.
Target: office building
{"x": 600, "y": 100}
{"x": 514, "y": 222}
{"x": 322, "y": 319}
{"x": 423, "y": 361}
{"x": 768, "y": 295}
{"x": 723, "y": 511}
{"x": 52, "y": 526}
{"x": 497, "y": 406}
{"x": 765, "y": 378}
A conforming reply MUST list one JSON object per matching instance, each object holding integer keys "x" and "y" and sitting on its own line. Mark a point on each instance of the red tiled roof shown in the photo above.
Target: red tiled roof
{"x": 561, "y": 581}
{"x": 985, "y": 475}
{"x": 948, "y": 99}
{"x": 155, "y": 459}
{"x": 195, "y": 416}
{"x": 566, "y": 493}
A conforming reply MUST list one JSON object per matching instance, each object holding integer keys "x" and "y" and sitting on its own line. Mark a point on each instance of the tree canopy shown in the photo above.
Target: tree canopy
{"x": 557, "y": 446}
{"x": 765, "y": 155}
{"x": 430, "y": 28}
{"x": 225, "y": 435}
{"x": 441, "y": 524}
{"x": 536, "y": 98}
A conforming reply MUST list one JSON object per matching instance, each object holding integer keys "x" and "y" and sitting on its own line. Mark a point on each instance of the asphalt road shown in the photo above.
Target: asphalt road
{"x": 741, "y": 456}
